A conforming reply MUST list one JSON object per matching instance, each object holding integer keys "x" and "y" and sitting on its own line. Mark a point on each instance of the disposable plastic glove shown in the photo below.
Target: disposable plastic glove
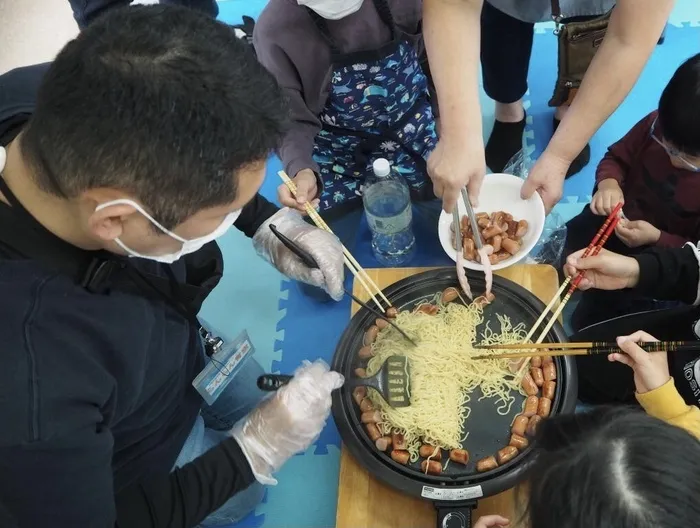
{"x": 288, "y": 422}
{"x": 323, "y": 246}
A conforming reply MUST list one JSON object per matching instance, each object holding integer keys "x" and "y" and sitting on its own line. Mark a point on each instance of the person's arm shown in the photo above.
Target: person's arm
{"x": 67, "y": 481}
{"x": 451, "y": 31}
{"x": 632, "y": 34}
{"x": 620, "y": 155}
{"x": 670, "y": 274}
{"x": 665, "y": 403}
{"x": 254, "y": 214}
{"x": 669, "y": 240}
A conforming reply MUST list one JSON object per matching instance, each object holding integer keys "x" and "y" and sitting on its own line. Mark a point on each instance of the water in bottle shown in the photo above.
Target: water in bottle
{"x": 388, "y": 207}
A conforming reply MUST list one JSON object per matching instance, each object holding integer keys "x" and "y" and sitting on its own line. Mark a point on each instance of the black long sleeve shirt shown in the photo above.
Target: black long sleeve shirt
{"x": 670, "y": 274}
{"x": 96, "y": 399}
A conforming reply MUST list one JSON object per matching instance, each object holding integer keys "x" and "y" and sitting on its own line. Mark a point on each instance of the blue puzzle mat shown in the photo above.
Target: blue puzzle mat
{"x": 287, "y": 327}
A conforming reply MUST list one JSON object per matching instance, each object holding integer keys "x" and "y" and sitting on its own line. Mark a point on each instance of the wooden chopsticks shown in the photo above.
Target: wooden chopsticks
{"x": 585, "y": 348}
{"x": 360, "y": 274}
{"x": 593, "y": 249}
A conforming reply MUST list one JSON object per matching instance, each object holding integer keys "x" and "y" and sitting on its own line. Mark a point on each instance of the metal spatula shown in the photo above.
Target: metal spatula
{"x": 392, "y": 381}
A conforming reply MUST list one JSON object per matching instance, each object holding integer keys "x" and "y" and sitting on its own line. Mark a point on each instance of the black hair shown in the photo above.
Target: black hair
{"x": 613, "y": 468}
{"x": 159, "y": 101}
{"x": 679, "y": 108}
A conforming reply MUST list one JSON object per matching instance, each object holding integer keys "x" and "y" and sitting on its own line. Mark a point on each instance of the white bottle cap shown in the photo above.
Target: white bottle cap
{"x": 381, "y": 167}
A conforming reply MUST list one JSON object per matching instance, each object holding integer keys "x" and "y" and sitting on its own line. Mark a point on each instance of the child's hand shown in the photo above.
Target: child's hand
{"x": 650, "y": 368}
{"x": 307, "y": 190}
{"x": 609, "y": 194}
{"x": 489, "y": 521}
{"x": 637, "y": 233}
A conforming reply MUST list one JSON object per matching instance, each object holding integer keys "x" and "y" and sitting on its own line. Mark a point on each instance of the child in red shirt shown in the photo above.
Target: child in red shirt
{"x": 655, "y": 171}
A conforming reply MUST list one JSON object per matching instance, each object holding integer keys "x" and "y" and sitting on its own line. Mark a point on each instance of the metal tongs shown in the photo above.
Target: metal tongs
{"x": 472, "y": 220}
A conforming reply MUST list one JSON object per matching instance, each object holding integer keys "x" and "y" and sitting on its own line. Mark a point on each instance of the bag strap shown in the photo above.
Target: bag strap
{"x": 556, "y": 10}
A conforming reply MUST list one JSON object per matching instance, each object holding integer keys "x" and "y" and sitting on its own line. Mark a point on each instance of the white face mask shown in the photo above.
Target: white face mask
{"x": 332, "y": 9}
{"x": 188, "y": 246}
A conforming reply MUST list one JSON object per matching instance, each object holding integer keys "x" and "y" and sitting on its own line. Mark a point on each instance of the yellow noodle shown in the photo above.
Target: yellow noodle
{"x": 442, "y": 374}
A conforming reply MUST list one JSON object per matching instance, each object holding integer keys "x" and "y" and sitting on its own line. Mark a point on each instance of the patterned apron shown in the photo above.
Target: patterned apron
{"x": 378, "y": 107}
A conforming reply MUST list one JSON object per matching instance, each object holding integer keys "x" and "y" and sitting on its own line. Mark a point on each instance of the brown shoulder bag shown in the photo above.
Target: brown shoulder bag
{"x": 578, "y": 43}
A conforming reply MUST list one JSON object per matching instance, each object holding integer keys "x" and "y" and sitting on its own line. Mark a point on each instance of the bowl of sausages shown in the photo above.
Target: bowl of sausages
{"x": 509, "y": 226}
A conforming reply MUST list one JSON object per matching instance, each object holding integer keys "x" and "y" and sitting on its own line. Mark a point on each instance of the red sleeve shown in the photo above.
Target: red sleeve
{"x": 617, "y": 161}
{"x": 669, "y": 240}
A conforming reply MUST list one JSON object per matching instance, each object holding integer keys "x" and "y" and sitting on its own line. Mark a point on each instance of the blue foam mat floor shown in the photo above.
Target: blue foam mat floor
{"x": 287, "y": 327}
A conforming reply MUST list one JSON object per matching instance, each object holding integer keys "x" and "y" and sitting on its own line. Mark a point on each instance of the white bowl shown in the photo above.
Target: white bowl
{"x": 500, "y": 192}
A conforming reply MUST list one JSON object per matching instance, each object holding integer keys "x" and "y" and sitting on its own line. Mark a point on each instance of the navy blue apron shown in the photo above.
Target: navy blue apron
{"x": 378, "y": 107}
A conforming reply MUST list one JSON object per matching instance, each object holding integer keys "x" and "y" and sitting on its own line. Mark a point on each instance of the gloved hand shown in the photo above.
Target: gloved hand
{"x": 323, "y": 246}
{"x": 288, "y": 422}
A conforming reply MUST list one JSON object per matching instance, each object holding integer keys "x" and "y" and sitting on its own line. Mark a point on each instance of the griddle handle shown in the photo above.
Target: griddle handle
{"x": 454, "y": 515}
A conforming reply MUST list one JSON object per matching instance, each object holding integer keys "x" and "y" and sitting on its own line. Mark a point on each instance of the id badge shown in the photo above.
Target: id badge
{"x": 222, "y": 367}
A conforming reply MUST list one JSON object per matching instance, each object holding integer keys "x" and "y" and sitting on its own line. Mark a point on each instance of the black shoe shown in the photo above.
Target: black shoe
{"x": 505, "y": 141}
{"x": 581, "y": 160}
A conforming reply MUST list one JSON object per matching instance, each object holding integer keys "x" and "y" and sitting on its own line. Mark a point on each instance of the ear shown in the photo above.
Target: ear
{"x": 108, "y": 223}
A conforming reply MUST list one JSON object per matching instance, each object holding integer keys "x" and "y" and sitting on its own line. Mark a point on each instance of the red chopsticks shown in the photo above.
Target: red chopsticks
{"x": 593, "y": 249}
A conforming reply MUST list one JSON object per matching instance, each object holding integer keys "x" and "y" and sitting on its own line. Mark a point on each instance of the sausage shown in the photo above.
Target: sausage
{"x": 519, "y": 425}
{"x": 429, "y": 309}
{"x": 426, "y": 451}
{"x": 432, "y": 467}
{"x": 529, "y": 385}
{"x": 511, "y": 246}
{"x": 383, "y": 443}
{"x": 545, "y": 405}
{"x": 464, "y": 223}
{"x": 531, "y": 405}
{"x": 381, "y": 323}
{"x": 371, "y": 417}
{"x": 483, "y": 221}
{"x": 496, "y": 243}
{"x": 506, "y": 454}
{"x": 373, "y": 432}
{"x": 548, "y": 389}
{"x": 498, "y": 257}
{"x": 370, "y": 335}
{"x": 522, "y": 229}
{"x": 532, "y": 425}
{"x": 366, "y": 405}
{"x": 518, "y": 441}
{"x": 546, "y": 360}
{"x": 469, "y": 248}
{"x": 400, "y": 456}
{"x": 391, "y": 312}
{"x": 537, "y": 376}
{"x": 486, "y": 464}
{"x": 549, "y": 371}
{"x": 491, "y": 231}
{"x": 481, "y": 215}
{"x": 497, "y": 218}
{"x": 360, "y": 373}
{"x": 398, "y": 441}
{"x": 365, "y": 352}
{"x": 512, "y": 228}
{"x": 536, "y": 361}
{"x": 461, "y": 456}
{"x": 359, "y": 394}
{"x": 449, "y": 295}
{"x": 507, "y": 217}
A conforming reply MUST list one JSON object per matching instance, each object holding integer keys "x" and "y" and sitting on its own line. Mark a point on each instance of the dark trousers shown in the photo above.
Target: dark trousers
{"x": 506, "y": 45}
{"x": 602, "y": 382}
{"x": 85, "y": 11}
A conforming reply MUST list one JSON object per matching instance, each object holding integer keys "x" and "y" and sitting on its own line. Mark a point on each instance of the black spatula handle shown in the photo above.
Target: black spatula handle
{"x": 272, "y": 382}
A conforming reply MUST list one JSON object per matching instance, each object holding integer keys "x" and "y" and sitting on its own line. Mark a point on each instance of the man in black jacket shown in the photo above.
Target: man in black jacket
{"x": 120, "y": 164}
{"x": 666, "y": 274}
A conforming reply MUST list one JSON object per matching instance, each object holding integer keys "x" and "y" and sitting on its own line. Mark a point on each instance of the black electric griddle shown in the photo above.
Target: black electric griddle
{"x": 456, "y": 490}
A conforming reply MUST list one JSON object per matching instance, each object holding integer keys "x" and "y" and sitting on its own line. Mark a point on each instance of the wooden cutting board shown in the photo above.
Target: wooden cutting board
{"x": 364, "y": 502}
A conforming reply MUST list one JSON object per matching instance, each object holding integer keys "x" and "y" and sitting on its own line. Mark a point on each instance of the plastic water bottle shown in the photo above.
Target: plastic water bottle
{"x": 388, "y": 207}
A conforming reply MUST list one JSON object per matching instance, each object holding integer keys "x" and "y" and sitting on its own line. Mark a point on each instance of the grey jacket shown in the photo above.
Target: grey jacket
{"x": 541, "y": 10}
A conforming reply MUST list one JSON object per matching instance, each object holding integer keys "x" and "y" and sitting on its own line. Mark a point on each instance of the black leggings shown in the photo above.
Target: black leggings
{"x": 506, "y": 45}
